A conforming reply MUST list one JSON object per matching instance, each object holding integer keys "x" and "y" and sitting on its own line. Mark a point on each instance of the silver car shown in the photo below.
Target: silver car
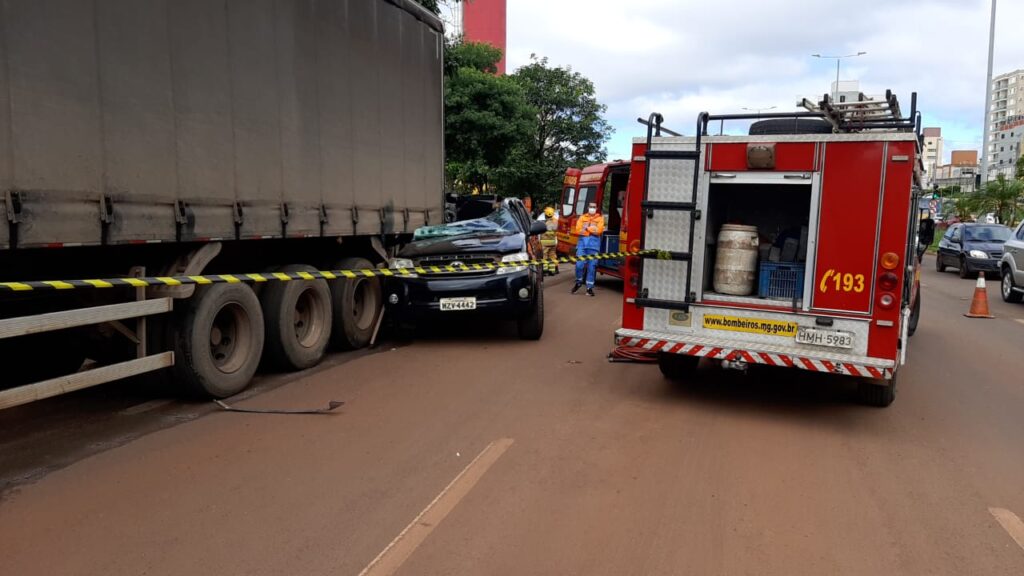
{"x": 1011, "y": 267}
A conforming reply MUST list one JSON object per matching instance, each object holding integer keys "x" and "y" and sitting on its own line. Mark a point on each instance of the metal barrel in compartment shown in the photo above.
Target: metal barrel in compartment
{"x": 736, "y": 260}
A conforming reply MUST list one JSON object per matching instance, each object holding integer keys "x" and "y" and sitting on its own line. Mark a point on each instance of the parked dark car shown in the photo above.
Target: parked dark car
{"x": 507, "y": 235}
{"x": 972, "y": 247}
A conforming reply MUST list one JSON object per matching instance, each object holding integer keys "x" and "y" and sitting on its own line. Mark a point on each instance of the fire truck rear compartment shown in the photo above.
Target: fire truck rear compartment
{"x": 781, "y": 213}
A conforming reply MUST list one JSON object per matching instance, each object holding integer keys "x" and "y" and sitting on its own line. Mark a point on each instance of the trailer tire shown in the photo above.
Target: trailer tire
{"x": 219, "y": 340}
{"x": 298, "y": 321}
{"x": 778, "y": 126}
{"x": 873, "y": 393}
{"x": 531, "y": 326}
{"x": 915, "y": 315}
{"x": 677, "y": 366}
{"x": 358, "y": 304}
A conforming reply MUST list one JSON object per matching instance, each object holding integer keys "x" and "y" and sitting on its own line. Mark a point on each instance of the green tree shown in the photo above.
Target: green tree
{"x": 488, "y": 120}
{"x": 1002, "y": 196}
{"x": 570, "y": 128}
{"x": 1018, "y": 172}
{"x": 964, "y": 205}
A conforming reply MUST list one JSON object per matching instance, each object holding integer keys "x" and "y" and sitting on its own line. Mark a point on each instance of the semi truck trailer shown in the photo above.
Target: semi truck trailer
{"x": 206, "y": 137}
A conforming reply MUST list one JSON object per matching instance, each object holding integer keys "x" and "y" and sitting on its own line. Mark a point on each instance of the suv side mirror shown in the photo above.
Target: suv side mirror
{"x": 926, "y": 231}
{"x": 538, "y": 227}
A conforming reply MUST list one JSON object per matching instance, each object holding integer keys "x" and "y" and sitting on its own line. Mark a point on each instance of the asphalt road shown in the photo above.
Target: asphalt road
{"x": 471, "y": 452}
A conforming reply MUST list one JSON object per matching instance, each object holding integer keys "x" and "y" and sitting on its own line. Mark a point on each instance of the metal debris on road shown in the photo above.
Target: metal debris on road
{"x": 331, "y": 406}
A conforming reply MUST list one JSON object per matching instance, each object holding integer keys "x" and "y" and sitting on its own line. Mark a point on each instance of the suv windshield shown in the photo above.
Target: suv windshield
{"x": 986, "y": 233}
{"x": 501, "y": 221}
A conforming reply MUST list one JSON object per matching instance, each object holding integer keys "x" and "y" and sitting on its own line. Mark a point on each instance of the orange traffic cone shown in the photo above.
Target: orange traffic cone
{"x": 979, "y": 304}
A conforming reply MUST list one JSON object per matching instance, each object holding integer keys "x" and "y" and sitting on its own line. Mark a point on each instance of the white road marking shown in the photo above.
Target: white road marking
{"x": 398, "y": 551}
{"x": 145, "y": 407}
{"x": 1011, "y": 523}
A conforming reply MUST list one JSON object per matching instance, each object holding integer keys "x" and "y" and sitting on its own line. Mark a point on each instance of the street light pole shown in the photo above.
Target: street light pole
{"x": 988, "y": 98}
{"x": 838, "y": 59}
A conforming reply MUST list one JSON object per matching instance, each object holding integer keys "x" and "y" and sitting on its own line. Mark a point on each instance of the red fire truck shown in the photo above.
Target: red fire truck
{"x": 826, "y": 276}
{"x": 606, "y": 185}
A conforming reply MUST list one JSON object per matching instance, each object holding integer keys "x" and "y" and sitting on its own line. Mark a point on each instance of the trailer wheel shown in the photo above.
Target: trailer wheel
{"x": 778, "y": 126}
{"x": 358, "y": 304}
{"x": 877, "y": 393}
{"x": 219, "y": 340}
{"x": 915, "y": 315}
{"x": 531, "y": 326}
{"x": 298, "y": 321}
{"x": 677, "y": 366}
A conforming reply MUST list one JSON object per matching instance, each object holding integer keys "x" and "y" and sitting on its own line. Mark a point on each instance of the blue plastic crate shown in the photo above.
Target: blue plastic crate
{"x": 781, "y": 280}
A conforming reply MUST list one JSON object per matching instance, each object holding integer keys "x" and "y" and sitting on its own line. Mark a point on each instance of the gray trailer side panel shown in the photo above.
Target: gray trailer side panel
{"x": 200, "y": 119}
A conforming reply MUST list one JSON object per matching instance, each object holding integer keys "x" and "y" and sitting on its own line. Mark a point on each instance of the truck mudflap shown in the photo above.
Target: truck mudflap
{"x": 768, "y": 354}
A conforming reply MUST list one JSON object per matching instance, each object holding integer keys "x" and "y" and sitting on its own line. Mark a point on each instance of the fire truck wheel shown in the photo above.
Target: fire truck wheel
{"x": 790, "y": 126}
{"x": 915, "y": 315}
{"x": 939, "y": 266}
{"x": 298, "y": 325}
{"x": 877, "y": 392}
{"x": 677, "y": 366}
{"x": 358, "y": 303}
{"x": 218, "y": 340}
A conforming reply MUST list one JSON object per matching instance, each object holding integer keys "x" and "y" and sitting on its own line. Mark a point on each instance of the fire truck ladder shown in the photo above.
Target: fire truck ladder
{"x": 866, "y": 113}
{"x": 670, "y": 212}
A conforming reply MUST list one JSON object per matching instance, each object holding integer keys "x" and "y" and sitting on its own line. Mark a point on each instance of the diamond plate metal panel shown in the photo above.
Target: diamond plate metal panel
{"x": 670, "y": 180}
{"x": 660, "y": 323}
{"x": 666, "y": 279}
{"x": 668, "y": 230}
{"x": 789, "y": 348}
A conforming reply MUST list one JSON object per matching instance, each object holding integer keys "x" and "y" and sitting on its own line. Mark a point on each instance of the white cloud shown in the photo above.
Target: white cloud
{"x": 680, "y": 57}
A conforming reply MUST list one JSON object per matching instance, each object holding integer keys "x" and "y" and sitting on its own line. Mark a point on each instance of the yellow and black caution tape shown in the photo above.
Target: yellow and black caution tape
{"x": 204, "y": 279}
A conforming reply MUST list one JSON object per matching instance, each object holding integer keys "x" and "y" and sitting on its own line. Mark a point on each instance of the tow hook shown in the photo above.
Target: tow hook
{"x": 740, "y": 365}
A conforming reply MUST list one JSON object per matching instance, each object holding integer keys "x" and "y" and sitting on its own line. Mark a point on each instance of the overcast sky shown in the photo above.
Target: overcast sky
{"x": 680, "y": 57}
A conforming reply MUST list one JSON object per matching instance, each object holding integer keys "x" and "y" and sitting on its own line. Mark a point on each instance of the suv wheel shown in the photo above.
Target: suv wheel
{"x": 938, "y": 263}
{"x": 1007, "y": 287}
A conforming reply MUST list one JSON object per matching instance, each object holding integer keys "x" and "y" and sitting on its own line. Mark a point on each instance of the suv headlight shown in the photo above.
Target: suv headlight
{"x": 403, "y": 263}
{"x": 518, "y": 257}
{"x": 977, "y": 254}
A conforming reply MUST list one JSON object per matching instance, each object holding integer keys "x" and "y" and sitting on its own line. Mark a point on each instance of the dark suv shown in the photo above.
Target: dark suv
{"x": 507, "y": 235}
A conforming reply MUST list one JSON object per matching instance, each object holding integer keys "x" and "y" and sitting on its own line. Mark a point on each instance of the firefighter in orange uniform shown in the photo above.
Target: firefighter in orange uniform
{"x": 589, "y": 228}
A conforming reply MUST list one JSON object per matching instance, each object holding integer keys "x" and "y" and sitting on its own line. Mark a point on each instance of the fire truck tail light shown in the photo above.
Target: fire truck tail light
{"x": 886, "y": 300}
{"x": 890, "y": 260}
{"x": 888, "y": 281}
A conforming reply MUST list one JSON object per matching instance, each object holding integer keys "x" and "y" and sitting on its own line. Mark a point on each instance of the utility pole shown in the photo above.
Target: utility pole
{"x": 988, "y": 98}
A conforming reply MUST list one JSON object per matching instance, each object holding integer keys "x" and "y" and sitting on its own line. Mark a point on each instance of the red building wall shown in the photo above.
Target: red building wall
{"x": 484, "y": 21}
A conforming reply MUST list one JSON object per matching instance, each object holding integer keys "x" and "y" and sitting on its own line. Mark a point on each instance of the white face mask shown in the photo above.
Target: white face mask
{"x": 592, "y": 210}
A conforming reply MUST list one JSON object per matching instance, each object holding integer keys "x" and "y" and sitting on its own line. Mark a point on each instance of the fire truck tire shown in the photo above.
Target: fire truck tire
{"x": 677, "y": 366}
{"x": 219, "y": 340}
{"x": 877, "y": 393}
{"x": 531, "y": 326}
{"x": 790, "y": 126}
{"x": 915, "y": 315}
{"x": 1006, "y": 287}
{"x": 298, "y": 325}
{"x": 939, "y": 266}
{"x": 358, "y": 303}
{"x": 965, "y": 271}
